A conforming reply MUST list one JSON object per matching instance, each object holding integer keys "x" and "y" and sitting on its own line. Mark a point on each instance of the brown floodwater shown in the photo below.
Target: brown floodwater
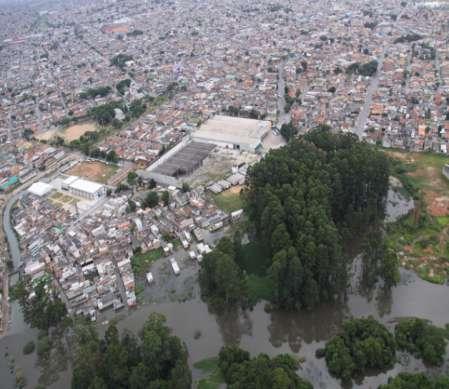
{"x": 258, "y": 331}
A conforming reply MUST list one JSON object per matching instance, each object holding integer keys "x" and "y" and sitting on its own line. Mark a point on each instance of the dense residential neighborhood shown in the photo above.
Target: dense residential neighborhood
{"x": 135, "y": 137}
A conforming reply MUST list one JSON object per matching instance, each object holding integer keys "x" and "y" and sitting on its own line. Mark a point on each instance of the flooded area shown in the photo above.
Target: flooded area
{"x": 256, "y": 330}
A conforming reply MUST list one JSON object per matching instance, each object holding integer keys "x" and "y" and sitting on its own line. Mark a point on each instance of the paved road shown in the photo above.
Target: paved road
{"x": 360, "y": 123}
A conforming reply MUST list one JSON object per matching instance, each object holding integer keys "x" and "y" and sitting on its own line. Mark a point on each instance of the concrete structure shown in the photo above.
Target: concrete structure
{"x": 233, "y": 132}
{"x": 83, "y": 188}
{"x": 40, "y": 188}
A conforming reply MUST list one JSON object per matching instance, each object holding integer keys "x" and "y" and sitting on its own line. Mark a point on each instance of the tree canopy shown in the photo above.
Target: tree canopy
{"x": 221, "y": 280}
{"x": 303, "y": 200}
{"x": 261, "y": 372}
{"x": 156, "y": 359}
{"x": 363, "y": 344}
{"x": 416, "y": 381}
{"x": 422, "y": 339}
{"x": 41, "y": 306}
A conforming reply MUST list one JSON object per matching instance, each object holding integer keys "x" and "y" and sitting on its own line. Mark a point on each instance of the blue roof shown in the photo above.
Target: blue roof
{"x": 12, "y": 180}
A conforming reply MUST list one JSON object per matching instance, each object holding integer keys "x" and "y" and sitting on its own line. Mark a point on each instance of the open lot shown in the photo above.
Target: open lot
{"x": 77, "y": 130}
{"x": 229, "y": 200}
{"x": 62, "y": 200}
{"x": 94, "y": 171}
{"x": 421, "y": 238}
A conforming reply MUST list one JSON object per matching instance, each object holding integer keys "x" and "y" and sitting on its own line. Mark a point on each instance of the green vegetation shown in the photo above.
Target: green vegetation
{"x": 209, "y": 367}
{"x": 92, "y": 93}
{"x": 222, "y": 281}
{"x": 304, "y": 200}
{"x": 261, "y": 372}
{"x": 259, "y": 288}
{"x": 422, "y": 339}
{"x": 151, "y": 200}
{"x": 40, "y": 304}
{"x": 123, "y": 86}
{"x": 141, "y": 262}
{"x": 228, "y": 201}
{"x": 367, "y": 69}
{"x": 416, "y": 381}
{"x": 288, "y": 131}
{"x": 29, "y": 347}
{"x": 422, "y": 235}
{"x": 120, "y": 60}
{"x": 379, "y": 261}
{"x": 131, "y": 178}
{"x": 156, "y": 359}
{"x": 104, "y": 114}
{"x": 408, "y": 38}
{"x": 364, "y": 344}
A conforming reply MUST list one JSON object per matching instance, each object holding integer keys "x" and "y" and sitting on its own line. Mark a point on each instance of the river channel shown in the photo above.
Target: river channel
{"x": 259, "y": 331}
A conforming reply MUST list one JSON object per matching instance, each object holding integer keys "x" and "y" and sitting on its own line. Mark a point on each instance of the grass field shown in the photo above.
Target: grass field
{"x": 421, "y": 238}
{"x": 209, "y": 367}
{"x": 229, "y": 200}
{"x": 141, "y": 262}
{"x": 94, "y": 171}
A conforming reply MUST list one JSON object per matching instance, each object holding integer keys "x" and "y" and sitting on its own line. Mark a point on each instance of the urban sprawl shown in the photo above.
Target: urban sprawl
{"x": 122, "y": 122}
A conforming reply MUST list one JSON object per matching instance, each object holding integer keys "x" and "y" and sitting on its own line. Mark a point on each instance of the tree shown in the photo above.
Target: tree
{"x": 422, "y": 339}
{"x": 152, "y": 184}
{"x": 151, "y": 200}
{"x": 154, "y": 360}
{"x": 185, "y": 187}
{"x": 288, "y": 131}
{"x": 131, "y": 179}
{"x": 165, "y": 198}
{"x": 131, "y": 208}
{"x": 364, "y": 344}
{"x": 221, "y": 280}
{"x": 416, "y": 381}
{"x": 261, "y": 372}
{"x": 41, "y": 306}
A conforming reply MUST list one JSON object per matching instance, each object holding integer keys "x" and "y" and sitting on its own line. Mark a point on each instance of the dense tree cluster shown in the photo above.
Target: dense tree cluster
{"x": 303, "y": 199}
{"x": 120, "y": 60}
{"x": 261, "y": 372}
{"x": 408, "y": 38}
{"x": 367, "y": 69}
{"x": 422, "y": 339}
{"x": 92, "y": 93}
{"x": 416, "y": 381}
{"x": 155, "y": 360}
{"x": 222, "y": 281}
{"x": 41, "y": 306}
{"x": 363, "y": 344}
{"x": 123, "y": 85}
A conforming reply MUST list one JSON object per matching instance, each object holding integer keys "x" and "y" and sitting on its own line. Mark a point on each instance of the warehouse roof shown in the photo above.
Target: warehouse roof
{"x": 233, "y": 130}
{"x": 86, "y": 186}
{"x": 40, "y": 188}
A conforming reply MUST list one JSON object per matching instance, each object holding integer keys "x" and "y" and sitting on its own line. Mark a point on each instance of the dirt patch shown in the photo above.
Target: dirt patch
{"x": 234, "y": 190}
{"x": 93, "y": 170}
{"x": 437, "y": 205}
{"x": 76, "y": 131}
{"x": 46, "y": 136}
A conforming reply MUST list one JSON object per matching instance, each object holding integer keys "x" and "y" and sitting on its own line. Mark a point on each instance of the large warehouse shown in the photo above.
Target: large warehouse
{"x": 83, "y": 188}
{"x": 233, "y": 132}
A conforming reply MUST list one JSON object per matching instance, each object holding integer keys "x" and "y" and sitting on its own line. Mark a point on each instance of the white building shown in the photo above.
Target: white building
{"x": 83, "y": 188}
{"x": 233, "y": 132}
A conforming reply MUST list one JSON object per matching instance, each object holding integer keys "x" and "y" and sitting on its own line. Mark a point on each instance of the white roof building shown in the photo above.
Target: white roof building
{"x": 40, "y": 188}
{"x": 233, "y": 132}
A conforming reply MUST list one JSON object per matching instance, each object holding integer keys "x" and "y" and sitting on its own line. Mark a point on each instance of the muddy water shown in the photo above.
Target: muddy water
{"x": 258, "y": 331}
